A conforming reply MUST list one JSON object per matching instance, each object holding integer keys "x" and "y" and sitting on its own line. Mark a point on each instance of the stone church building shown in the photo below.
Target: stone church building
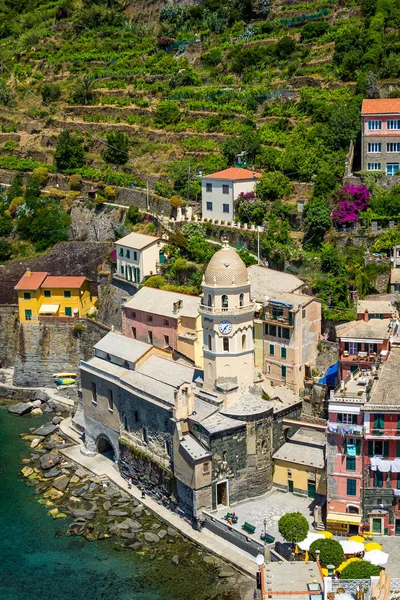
{"x": 194, "y": 440}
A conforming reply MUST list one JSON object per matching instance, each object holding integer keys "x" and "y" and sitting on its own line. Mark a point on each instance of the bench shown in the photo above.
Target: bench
{"x": 268, "y": 539}
{"x": 249, "y": 528}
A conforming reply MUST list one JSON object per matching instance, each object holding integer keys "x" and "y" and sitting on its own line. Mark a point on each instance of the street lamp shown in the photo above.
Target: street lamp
{"x": 260, "y": 563}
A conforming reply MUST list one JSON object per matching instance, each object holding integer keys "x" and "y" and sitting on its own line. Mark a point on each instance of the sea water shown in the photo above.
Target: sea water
{"x": 38, "y": 561}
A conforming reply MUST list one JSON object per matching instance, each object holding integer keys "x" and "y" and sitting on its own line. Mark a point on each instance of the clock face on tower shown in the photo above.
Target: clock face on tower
{"x": 225, "y": 327}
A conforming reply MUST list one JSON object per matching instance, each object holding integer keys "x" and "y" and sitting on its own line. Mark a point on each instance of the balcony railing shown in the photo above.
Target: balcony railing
{"x": 386, "y": 432}
{"x": 345, "y": 428}
{"x": 271, "y": 317}
{"x": 360, "y": 357}
{"x": 221, "y": 310}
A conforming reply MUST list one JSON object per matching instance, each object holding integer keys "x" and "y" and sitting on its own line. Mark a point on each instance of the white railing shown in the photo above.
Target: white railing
{"x": 226, "y": 311}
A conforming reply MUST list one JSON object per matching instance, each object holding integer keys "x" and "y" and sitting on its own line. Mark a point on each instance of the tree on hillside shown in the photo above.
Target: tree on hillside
{"x": 293, "y": 527}
{"x": 360, "y": 570}
{"x": 317, "y": 221}
{"x": 167, "y": 113}
{"x": 15, "y": 189}
{"x": 84, "y": 89}
{"x": 116, "y": 152}
{"x": 331, "y": 552}
{"x": 69, "y": 151}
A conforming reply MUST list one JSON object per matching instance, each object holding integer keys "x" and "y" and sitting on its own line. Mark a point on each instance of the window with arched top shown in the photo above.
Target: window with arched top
{"x": 224, "y": 301}
{"x": 226, "y": 344}
{"x": 144, "y": 434}
{"x": 244, "y": 341}
{"x": 241, "y": 300}
{"x": 210, "y": 342}
{"x": 209, "y": 300}
{"x": 125, "y": 421}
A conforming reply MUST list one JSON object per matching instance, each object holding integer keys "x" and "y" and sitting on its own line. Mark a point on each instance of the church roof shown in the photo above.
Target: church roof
{"x": 226, "y": 269}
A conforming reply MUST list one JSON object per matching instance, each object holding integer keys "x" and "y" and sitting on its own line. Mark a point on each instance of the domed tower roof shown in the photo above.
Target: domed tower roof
{"x": 226, "y": 269}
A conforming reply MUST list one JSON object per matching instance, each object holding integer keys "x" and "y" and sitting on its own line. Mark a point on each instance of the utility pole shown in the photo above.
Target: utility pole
{"x": 258, "y": 244}
{"x": 147, "y": 195}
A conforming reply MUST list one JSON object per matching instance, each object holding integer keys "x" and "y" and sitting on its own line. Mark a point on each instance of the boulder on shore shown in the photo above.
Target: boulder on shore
{"x": 151, "y": 538}
{"x": 46, "y": 429}
{"x": 61, "y": 483}
{"x": 26, "y": 471}
{"x": 48, "y": 461}
{"x": 21, "y": 408}
{"x": 85, "y": 514}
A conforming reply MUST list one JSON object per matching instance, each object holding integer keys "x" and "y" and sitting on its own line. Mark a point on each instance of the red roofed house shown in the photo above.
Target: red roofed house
{"x": 41, "y": 296}
{"x": 381, "y": 135}
{"x": 220, "y": 190}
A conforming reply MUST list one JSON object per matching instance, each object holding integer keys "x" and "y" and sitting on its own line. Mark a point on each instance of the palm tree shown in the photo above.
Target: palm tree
{"x": 84, "y": 88}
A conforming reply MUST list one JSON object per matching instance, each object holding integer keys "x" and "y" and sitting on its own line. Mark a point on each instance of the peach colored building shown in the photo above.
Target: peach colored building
{"x": 166, "y": 320}
{"x": 363, "y": 343}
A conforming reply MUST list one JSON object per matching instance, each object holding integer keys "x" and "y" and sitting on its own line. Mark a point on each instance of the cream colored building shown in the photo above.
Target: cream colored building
{"x": 220, "y": 190}
{"x": 287, "y": 327}
{"x": 228, "y": 313}
{"x": 138, "y": 256}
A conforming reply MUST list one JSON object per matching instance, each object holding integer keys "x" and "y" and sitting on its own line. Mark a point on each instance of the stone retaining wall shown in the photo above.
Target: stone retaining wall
{"x": 47, "y": 348}
{"x": 8, "y": 333}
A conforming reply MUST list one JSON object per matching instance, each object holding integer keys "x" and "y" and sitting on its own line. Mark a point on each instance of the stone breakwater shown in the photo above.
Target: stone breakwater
{"x": 98, "y": 509}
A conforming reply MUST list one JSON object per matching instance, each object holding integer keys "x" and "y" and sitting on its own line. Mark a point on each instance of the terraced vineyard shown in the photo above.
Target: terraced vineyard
{"x": 198, "y": 83}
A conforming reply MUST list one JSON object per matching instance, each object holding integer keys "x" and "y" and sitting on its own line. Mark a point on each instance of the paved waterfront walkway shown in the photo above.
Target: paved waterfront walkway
{"x": 6, "y": 383}
{"x": 100, "y": 465}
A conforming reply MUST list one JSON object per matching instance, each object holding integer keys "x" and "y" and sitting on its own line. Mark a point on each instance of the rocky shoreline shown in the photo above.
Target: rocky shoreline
{"x": 98, "y": 509}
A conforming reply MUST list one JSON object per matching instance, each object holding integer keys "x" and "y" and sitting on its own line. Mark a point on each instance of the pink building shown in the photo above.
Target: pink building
{"x": 166, "y": 320}
{"x": 345, "y": 453}
{"x": 363, "y": 344}
{"x": 380, "y": 133}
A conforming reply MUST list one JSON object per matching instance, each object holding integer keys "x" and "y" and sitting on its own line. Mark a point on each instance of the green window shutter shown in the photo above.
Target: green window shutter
{"x": 350, "y": 463}
{"x": 340, "y": 418}
{"x": 398, "y": 449}
{"x": 351, "y": 487}
{"x": 283, "y": 352}
{"x": 381, "y": 316}
{"x": 358, "y": 447}
{"x": 375, "y": 478}
{"x": 378, "y": 479}
{"x": 283, "y": 371}
{"x": 386, "y": 449}
{"x": 378, "y": 424}
{"x": 68, "y": 311}
{"x": 271, "y": 349}
{"x": 345, "y": 446}
{"x": 398, "y": 425}
{"x": 398, "y": 480}
{"x": 370, "y": 448}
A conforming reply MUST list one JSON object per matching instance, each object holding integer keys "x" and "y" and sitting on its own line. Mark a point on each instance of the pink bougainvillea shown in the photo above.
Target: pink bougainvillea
{"x": 349, "y": 202}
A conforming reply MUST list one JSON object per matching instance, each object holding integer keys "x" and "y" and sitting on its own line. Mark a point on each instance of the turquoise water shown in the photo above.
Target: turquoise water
{"x": 38, "y": 565}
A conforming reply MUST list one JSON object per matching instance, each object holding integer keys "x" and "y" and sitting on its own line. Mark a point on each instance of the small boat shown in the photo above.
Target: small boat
{"x": 65, "y": 381}
{"x": 61, "y": 375}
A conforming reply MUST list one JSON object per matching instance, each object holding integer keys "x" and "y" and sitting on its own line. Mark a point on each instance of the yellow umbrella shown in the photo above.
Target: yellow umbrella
{"x": 357, "y": 538}
{"x": 347, "y": 562}
{"x": 327, "y": 534}
{"x": 324, "y": 572}
{"x": 296, "y": 549}
{"x": 372, "y": 546}
{"x": 306, "y": 557}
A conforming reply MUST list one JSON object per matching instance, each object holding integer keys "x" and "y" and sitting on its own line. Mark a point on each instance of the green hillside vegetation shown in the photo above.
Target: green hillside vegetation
{"x": 139, "y": 95}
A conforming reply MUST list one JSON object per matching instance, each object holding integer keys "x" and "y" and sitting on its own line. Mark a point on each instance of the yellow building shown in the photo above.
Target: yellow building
{"x": 299, "y": 465}
{"x": 41, "y": 295}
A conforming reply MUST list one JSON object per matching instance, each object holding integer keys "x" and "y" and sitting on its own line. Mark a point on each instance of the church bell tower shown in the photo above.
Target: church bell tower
{"x": 227, "y": 320}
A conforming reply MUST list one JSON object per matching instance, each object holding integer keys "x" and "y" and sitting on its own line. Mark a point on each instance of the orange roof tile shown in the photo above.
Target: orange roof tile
{"x": 63, "y": 282}
{"x": 381, "y": 106}
{"x": 31, "y": 280}
{"x": 234, "y": 174}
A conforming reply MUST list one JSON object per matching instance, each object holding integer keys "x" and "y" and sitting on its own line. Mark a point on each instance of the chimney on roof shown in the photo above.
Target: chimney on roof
{"x": 28, "y": 272}
{"x": 176, "y": 306}
{"x": 254, "y": 175}
{"x": 366, "y": 315}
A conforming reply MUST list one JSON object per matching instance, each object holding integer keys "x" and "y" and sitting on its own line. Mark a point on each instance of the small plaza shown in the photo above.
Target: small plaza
{"x": 264, "y": 512}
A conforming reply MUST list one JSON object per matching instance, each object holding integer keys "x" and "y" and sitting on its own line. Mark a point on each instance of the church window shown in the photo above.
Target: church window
{"x": 209, "y": 300}
{"x": 206, "y": 468}
{"x": 136, "y": 416}
{"x": 264, "y": 447}
{"x": 226, "y": 344}
{"x": 125, "y": 420}
{"x": 244, "y": 341}
{"x": 210, "y": 343}
{"x": 224, "y": 301}
{"x": 241, "y": 300}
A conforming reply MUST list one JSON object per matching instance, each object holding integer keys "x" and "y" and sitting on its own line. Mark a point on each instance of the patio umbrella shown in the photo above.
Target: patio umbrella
{"x": 376, "y": 557}
{"x": 327, "y": 534}
{"x": 372, "y": 546}
{"x": 311, "y": 537}
{"x": 351, "y": 547}
{"x": 357, "y": 538}
{"x": 347, "y": 562}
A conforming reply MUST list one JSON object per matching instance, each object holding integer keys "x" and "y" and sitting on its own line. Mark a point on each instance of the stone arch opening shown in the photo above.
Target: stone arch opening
{"x": 104, "y": 447}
